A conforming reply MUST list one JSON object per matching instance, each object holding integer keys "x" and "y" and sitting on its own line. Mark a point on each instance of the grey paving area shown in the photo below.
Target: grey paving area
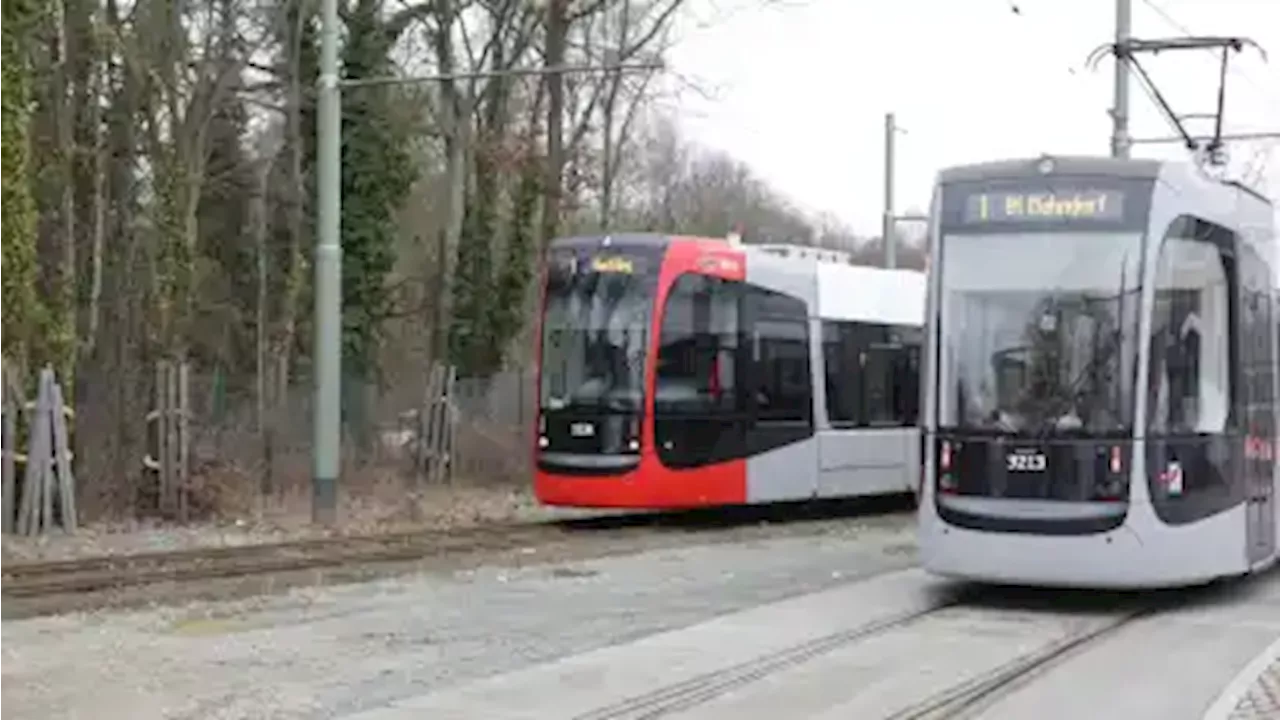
{"x": 332, "y": 652}
{"x": 849, "y": 652}
{"x": 1173, "y": 666}
{"x": 1263, "y": 700}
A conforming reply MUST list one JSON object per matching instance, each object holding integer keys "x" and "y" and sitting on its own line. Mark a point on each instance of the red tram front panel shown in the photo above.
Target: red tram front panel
{"x": 596, "y": 444}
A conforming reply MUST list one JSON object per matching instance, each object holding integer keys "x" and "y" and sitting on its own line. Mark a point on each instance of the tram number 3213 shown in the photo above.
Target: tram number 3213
{"x": 1025, "y": 462}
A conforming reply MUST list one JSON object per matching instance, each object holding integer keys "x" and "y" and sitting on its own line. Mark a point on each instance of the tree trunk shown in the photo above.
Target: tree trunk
{"x": 293, "y": 280}
{"x": 19, "y": 226}
{"x": 85, "y": 70}
{"x": 67, "y": 141}
{"x": 456, "y": 108}
{"x": 557, "y": 35}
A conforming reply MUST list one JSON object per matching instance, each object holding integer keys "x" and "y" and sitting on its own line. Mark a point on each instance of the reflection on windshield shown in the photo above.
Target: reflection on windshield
{"x": 1039, "y": 332}
{"x": 594, "y": 339}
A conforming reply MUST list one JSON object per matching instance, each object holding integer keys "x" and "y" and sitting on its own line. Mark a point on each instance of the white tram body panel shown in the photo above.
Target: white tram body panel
{"x": 865, "y": 457}
{"x": 851, "y": 458}
{"x": 1178, "y": 520}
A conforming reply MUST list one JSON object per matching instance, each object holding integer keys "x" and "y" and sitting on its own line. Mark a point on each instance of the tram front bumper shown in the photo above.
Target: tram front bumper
{"x": 1142, "y": 553}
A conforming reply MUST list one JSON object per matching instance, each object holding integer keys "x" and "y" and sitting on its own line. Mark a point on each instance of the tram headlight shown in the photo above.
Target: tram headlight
{"x": 543, "y": 442}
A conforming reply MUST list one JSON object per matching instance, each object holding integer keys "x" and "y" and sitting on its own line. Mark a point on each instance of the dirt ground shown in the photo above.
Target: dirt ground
{"x": 457, "y": 510}
{"x": 289, "y": 519}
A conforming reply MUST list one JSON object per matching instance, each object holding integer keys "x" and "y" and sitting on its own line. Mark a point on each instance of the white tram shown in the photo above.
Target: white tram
{"x": 1100, "y": 389}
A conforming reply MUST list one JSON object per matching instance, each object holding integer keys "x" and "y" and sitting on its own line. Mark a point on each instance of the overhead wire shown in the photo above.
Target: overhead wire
{"x": 1233, "y": 70}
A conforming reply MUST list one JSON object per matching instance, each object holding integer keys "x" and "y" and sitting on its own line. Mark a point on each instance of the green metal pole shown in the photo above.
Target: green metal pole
{"x": 327, "y": 356}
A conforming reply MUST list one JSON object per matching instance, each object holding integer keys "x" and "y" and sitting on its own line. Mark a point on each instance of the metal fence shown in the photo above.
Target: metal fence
{"x": 204, "y": 444}
{"x": 486, "y": 425}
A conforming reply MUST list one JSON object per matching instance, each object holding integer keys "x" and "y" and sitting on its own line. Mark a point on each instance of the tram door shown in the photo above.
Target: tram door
{"x": 1261, "y": 394}
{"x": 1262, "y": 517}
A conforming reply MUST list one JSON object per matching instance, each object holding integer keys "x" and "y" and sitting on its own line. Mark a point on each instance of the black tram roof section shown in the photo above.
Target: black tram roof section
{"x": 622, "y": 239}
{"x": 1061, "y": 165}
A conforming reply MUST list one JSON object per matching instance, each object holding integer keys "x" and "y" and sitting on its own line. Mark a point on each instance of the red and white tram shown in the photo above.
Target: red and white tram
{"x": 679, "y": 372}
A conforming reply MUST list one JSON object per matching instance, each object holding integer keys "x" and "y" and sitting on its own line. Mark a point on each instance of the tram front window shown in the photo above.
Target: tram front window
{"x": 595, "y": 334}
{"x": 1039, "y": 333}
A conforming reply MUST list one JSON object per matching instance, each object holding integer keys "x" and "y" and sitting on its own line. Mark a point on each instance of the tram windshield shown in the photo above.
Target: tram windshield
{"x": 595, "y": 331}
{"x": 1039, "y": 332}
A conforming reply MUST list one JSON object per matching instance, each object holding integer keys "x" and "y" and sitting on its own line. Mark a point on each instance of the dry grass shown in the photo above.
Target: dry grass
{"x": 233, "y": 513}
{"x": 228, "y": 505}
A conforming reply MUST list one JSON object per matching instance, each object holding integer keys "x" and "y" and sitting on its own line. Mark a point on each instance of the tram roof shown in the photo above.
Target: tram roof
{"x": 1082, "y": 165}
{"x": 1062, "y": 164}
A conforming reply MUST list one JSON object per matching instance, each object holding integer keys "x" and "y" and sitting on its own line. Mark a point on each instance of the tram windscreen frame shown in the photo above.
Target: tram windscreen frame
{"x": 596, "y": 323}
{"x": 1040, "y": 292}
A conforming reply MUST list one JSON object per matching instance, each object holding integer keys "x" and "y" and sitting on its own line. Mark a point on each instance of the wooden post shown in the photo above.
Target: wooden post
{"x": 449, "y": 419}
{"x": 436, "y": 437}
{"x": 27, "y": 515}
{"x": 426, "y": 424}
{"x": 271, "y": 419}
{"x": 46, "y": 413}
{"x": 11, "y": 405}
{"x": 162, "y": 434}
{"x": 33, "y": 484}
{"x": 62, "y": 458}
{"x": 171, "y": 437}
{"x": 435, "y": 424}
{"x": 184, "y": 443}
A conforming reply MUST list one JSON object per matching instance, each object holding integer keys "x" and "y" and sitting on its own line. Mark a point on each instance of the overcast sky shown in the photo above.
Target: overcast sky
{"x": 800, "y": 87}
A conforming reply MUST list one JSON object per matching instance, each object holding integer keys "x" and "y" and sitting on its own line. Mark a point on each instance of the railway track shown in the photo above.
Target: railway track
{"x": 33, "y": 579}
{"x": 961, "y": 700}
{"x": 41, "y": 579}
{"x": 704, "y": 688}
{"x": 968, "y": 698}
{"x": 48, "y": 587}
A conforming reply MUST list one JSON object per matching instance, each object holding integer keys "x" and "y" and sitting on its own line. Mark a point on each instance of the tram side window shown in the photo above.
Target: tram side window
{"x": 841, "y": 359}
{"x": 1190, "y": 384}
{"x": 781, "y": 386}
{"x": 872, "y": 374}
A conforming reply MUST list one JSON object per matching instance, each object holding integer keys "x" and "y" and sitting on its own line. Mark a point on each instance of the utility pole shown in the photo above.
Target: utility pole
{"x": 1120, "y": 141}
{"x": 327, "y": 411}
{"x": 888, "y": 231}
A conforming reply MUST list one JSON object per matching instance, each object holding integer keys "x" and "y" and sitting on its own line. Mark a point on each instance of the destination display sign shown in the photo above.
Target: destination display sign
{"x": 613, "y": 264}
{"x": 572, "y": 263}
{"x": 1099, "y": 204}
{"x": 1020, "y": 206}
